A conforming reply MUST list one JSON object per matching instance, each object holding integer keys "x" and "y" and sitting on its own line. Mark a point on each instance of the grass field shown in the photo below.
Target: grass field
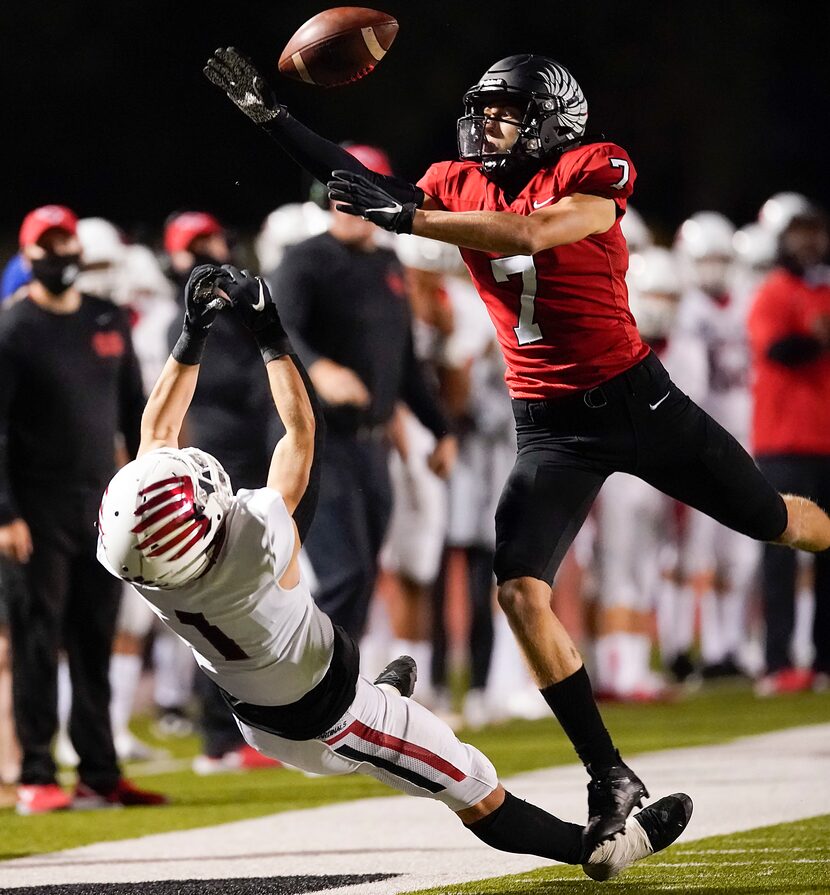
{"x": 714, "y": 715}
{"x": 787, "y": 859}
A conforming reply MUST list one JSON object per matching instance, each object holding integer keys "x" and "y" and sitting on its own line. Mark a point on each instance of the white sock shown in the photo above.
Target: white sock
{"x": 64, "y": 694}
{"x": 610, "y": 659}
{"x": 639, "y": 651}
{"x": 735, "y": 631}
{"x": 125, "y": 673}
{"x": 174, "y": 667}
{"x": 508, "y": 671}
{"x": 711, "y": 629}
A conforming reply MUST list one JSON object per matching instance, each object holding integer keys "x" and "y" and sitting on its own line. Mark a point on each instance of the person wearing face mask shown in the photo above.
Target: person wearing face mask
{"x": 70, "y": 385}
{"x": 789, "y": 328}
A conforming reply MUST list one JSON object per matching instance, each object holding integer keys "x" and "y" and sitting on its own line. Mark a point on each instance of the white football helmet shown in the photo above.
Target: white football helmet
{"x": 104, "y": 253}
{"x": 637, "y": 234}
{"x": 160, "y": 515}
{"x": 704, "y": 246}
{"x": 755, "y": 246}
{"x": 286, "y": 226}
{"x": 421, "y": 253}
{"x": 656, "y": 287}
{"x": 781, "y": 208}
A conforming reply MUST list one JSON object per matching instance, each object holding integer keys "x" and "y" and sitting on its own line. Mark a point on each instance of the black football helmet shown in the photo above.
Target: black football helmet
{"x": 554, "y": 117}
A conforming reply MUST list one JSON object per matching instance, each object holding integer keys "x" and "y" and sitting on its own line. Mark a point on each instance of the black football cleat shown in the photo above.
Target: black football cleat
{"x": 611, "y": 798}
{"x": 649, "y": 831}
{"x": 400, "y": 673}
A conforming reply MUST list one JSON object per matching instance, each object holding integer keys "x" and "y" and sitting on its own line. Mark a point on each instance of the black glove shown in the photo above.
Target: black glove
{"x": 201, "y": 305}
{"x": 234, "y": 73}
{"x": 251, "y": 299}
{"x": 361, "y": 197}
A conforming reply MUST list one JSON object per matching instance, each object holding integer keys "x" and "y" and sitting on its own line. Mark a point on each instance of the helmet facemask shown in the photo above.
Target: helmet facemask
{"x": 553, "y": 117}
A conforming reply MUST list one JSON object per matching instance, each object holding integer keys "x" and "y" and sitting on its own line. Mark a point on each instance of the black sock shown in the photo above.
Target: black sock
{"x": 525, "y": 829}
{"x": 572, "y": 701}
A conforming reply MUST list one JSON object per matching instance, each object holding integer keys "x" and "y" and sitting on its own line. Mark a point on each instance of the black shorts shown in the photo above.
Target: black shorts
{"x": 638, "y": 422}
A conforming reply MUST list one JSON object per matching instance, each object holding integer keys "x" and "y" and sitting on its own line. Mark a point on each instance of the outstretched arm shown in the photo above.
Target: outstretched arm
{"x": 569, "y": 220}
{"x": 236, "y": 75}
{"x": 295, "y": 465}
{"x": 170, "y": 398}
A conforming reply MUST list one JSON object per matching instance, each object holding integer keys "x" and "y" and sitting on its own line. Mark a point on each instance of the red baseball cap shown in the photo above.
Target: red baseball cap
{"x": 373, "y": 158}
{"x": 47, "y": 217}
{"x": 182, "y": 229}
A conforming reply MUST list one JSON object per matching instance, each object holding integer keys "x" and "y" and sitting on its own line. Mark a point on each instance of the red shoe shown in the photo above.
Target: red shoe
{"x": 41, "y": 798}
{"x": 787, "y": 680}
{"x": 245, "y": 758}
{"x": 251, "y": 759}
{"x": 124, "y": 793}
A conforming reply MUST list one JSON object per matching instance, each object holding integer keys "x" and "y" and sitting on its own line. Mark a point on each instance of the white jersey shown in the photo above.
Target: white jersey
{"x": 722, "y": 328}
{"x": 263, "y": 644}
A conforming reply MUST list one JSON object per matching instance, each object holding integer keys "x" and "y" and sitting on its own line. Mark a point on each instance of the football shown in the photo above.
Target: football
{"x": 338, "y": 46}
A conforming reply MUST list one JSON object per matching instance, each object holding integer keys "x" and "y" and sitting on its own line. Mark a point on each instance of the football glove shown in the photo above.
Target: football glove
{"x": 251, "y": 299}
{"x": 201, "y": 305}
{"x": 356, "y": 195}
{"x": 234, "y": 73}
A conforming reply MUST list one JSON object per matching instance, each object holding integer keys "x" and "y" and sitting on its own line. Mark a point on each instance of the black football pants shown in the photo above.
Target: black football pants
{"x": 64, "y": 600}
{"x": 349, "y": 526}
{"x": 638, "y": 422}
{"x": 809, "y": 477}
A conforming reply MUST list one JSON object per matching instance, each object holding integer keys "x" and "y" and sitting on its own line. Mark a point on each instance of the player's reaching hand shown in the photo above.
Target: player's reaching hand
{"x": 234, "y": 73}
{"x": 251, "y": 299}
{"x": 201, "y": 302}
{"x": 355, "y": 194}
{"x": 201, "y": 305}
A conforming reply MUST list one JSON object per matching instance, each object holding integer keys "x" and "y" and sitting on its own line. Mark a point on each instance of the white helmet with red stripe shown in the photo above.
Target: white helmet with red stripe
{"x": 160, "y": 516}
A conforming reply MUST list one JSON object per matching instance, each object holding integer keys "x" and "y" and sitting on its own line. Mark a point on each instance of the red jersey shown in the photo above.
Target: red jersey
{"x": 791, "y": 405}
{"x": 561, "y": 315}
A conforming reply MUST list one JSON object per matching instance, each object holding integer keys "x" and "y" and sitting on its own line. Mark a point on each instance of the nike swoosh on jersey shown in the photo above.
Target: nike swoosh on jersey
{"x": 260, "y": 305}
{"x": 655, "y": 406}
{"x": 540, "y": 204}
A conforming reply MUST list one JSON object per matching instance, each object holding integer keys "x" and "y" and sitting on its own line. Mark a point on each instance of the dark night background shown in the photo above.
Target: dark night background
{"x": 720, "y": 104}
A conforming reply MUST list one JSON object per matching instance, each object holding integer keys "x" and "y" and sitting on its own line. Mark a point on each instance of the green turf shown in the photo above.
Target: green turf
{"x": 787, "y": 859}
{"x": 714, "y": 715}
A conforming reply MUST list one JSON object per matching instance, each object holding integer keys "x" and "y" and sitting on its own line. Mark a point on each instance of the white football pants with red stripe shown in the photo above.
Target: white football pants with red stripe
{"x": 395, "y": 740}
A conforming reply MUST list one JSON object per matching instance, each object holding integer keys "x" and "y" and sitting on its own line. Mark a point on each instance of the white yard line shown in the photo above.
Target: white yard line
{"x": 750, "y": 782}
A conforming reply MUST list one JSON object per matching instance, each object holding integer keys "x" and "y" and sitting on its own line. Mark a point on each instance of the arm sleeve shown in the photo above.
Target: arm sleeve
{"x": 293, "y": 287}
{"x": 600, "y": 169}
{"x": 131, "y": 399}
{"x": 8, "y": 387}
{"x": 421, "y": 399}
{"x": 320, "y": 157}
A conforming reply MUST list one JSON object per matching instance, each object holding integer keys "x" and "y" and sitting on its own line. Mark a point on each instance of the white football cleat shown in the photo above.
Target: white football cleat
{"x": 649, "y": 831}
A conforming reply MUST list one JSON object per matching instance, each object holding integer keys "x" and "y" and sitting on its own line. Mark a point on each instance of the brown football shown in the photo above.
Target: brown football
{"x": 338, "y": 46}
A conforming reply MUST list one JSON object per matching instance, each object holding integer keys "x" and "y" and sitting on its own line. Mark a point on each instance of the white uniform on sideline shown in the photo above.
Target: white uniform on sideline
{"x": 269, "y": 646}
{"x": 720, "y": 324}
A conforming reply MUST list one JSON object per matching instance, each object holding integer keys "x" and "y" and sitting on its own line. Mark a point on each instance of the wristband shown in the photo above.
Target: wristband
{"x": 273, "y": 342}
{"x": 190, "y": 347}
